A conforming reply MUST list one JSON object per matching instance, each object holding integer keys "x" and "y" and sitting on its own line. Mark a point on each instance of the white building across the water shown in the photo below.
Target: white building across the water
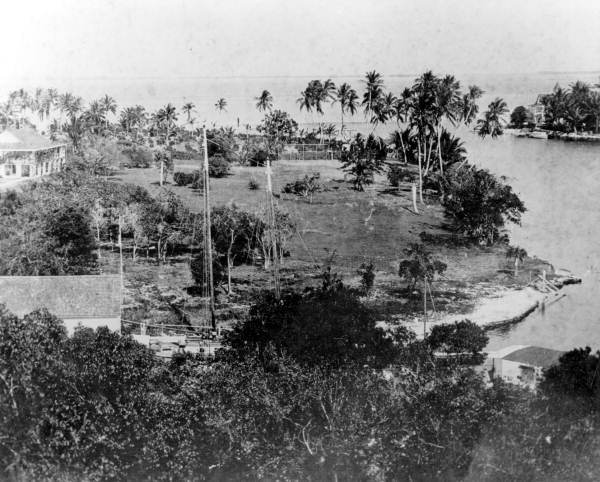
{"x": 24, "y": 153}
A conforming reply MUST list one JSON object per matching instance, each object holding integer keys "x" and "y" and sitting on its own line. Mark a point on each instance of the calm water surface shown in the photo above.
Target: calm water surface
{"x": 560, "y": 185}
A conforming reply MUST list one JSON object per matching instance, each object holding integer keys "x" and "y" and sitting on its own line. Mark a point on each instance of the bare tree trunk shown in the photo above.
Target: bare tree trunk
{"x": 414, "y": 198}
{"x": 425, "y": 308}
{"x": 439, "y": 146}
{"x": 420, "y": 172}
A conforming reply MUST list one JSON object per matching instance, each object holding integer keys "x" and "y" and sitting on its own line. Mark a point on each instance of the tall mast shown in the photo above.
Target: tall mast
{"x": 272, "y": 221}
{"x": 207, "y": 233}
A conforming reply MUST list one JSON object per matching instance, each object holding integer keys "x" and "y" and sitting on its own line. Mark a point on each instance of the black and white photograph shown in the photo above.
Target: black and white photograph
{"x": 300, "y": 241}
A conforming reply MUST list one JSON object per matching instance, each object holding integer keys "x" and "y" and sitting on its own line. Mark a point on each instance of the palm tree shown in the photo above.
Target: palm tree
{"x": 493, "y": 119}
{"x": 95, "y": 115}
{"x": 403, "y": 110}
{"x": 593, "y": 107}
{"x": 423, "y": 119}
{"x": 469, "y": 107}
{"x": 108, "y": 104}
{"x": 447, "y": 102}
{"x": 384, "y": 110}
{"x": 315, "y": 95}
{"x": 373, "y": 92}
{"x": 221, "y": 104}
{"x": 348, "y": 99}
{"x": 264, "y": 102}
{"x": 187, "y": 108}
{"x": 330, "y": 131}
{"x": 166, "y": 118}
{"x": 518, "y": 254}
{"x": 305, "y": 100}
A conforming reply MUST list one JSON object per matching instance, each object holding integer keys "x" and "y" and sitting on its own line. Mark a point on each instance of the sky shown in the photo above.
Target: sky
{"x": 46, "y": 39}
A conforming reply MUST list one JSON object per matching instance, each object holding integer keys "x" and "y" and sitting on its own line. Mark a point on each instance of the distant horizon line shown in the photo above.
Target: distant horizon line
{"x": 280, "y": 76}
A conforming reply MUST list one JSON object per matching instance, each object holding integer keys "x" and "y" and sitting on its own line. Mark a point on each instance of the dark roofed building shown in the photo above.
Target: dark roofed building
{"x": 536, "y": 356}
{"x": 522, "y": 364}
{"x": 89, "y": 301}
{"x": 25, "y": 153}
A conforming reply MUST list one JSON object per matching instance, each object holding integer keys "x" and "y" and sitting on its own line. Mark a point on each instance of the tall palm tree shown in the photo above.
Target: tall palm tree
{"x": 108, "y": 105}
{"x": 403, "y": 111}
{"x": 373, "y": 91}
{"x": 423, "y": 120}
{"x": 305, "y": 100}
{"x": 469, "y": 107}
{"x": 95, "y": 115}
{"x": 447, "y": 105}
{"x": 264, "y": 102}
{"x": 348, "y": 99}
{"x": 384, "y": 110}
{"x": 166, "y": 118}
{"x": 187, "y": 108}
{"x": 221, "y": 105}
{"x": 315, "y": 95}
{"x": 493, "y": 119}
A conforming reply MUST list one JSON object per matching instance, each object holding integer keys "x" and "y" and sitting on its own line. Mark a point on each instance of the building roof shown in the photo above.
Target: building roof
{"x": 24, "y": 139}
{"x": 534, "y": 355}
{"x": 63, "y": 296}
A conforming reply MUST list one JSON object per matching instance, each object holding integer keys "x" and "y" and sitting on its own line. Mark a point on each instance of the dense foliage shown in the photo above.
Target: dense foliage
{"x": 573, "y": 110}
{"x": 363, "y": 159}
{"x": 479, "y": 203}
{"x": 305, "y": 187}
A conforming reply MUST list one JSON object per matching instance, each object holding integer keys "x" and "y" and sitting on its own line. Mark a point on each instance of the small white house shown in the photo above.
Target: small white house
{"x": 87, "y": 301}
{"x": 25, "y": 153}
{"x": 521, "y": 364}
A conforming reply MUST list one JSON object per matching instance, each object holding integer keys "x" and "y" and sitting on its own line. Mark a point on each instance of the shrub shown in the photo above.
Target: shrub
{"x": 218, "y": 166}
{"x": 183, "y": 178}
{"x": 253, "y": 184}
{"x": 397, "y": 174}
{"x": 364, "y": 159}
{"x": 479, "y": 203}
{"x": 420, "y": 266}
{"x": 258, "y": 158}
{"x": 367, "y": 276}
{"x": 305, "y": 187}
{"x": 139, "y": 157}
{"x": 463, "y": 337}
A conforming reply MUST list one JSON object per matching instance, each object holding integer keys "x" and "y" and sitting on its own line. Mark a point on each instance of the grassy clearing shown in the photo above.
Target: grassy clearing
{"x": 348, "y": 227}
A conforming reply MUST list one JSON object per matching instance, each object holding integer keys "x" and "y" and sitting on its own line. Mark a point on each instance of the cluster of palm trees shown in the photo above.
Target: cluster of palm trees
{"x": 424, "y": 115}
{"x": 572, "y": 110}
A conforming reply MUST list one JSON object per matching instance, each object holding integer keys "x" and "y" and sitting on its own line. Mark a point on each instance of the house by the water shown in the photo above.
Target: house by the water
{"x": 87, "y": 301}
{"x": 521, "y": 364}
{"x": 24, "y": 153}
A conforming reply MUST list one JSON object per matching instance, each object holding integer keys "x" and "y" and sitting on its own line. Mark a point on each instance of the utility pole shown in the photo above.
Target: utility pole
{"x": 121, "y": 254}
{"x": 207, "y": 233}
{"x": 272, "y": 221}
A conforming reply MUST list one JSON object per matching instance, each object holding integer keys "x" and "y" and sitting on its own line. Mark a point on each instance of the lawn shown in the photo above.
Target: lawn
{"x": 347, "y": 227}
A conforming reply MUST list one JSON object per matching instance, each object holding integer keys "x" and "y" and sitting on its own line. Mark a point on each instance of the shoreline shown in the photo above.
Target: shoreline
{"x": 506, "y": 306}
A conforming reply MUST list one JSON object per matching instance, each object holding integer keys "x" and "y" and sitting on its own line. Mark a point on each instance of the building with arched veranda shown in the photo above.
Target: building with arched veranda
{"x": 25, "y": 154}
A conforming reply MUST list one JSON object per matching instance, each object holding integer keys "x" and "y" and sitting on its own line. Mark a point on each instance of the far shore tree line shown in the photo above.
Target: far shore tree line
{"x": 575, "y": 109}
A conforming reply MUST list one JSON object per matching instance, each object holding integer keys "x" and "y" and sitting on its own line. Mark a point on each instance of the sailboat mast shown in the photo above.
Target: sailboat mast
{"x": 207, "y": 233}
{"x": 272, "y": 226}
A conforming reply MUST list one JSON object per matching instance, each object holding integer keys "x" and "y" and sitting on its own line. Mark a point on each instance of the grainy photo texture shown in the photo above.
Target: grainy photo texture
{"x": 269, "y": 240}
